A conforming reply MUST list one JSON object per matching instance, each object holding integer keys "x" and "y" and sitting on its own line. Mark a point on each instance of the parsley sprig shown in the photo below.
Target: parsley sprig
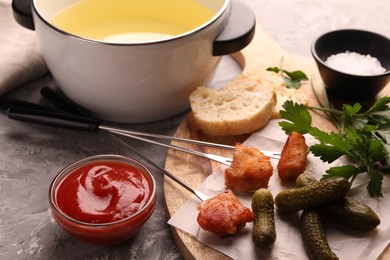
{"x": 364, "y": 137}
{"x": 292, "y": 79}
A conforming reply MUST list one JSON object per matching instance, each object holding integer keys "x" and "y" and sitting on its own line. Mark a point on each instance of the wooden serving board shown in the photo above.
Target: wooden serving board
{"x": 263, "y": 52}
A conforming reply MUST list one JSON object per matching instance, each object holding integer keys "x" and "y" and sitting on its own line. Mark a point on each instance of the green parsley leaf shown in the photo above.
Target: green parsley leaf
{"x": 362, "y": 137}
{"x": 351, "y": 110}
{"x": 327, "y": 153}
{"x": 380, "y": 105}
{"x": 383, "y": 135}
{"x": 376, "y": 151}
{"x": 292, "y": 79}
{"x": 298, "y": 115}
{"x": 273, "y": 69}
{"x": 346, "y": 171}
{"x": 332, "y": 146}
{"x": 374, "y": 187}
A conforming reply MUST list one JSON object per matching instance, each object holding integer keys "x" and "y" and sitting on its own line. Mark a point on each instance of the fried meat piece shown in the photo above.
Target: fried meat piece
{"x": 223, "y": 215}
{"x": 250, "y": 170}
{"x": 293, "y": 158}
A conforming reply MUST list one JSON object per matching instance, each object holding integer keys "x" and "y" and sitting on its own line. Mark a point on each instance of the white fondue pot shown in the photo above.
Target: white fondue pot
{"x": 136, "y": 82}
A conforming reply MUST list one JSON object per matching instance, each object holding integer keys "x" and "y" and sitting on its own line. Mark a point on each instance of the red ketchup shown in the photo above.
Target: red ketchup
{"x": 103, "y": 192}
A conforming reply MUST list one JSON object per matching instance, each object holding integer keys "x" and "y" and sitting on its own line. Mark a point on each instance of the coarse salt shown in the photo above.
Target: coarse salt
{"x": 355, "y": 63}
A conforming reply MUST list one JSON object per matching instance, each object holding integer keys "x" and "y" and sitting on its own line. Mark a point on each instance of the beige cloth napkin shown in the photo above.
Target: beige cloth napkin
{"x": 20, "y": 57}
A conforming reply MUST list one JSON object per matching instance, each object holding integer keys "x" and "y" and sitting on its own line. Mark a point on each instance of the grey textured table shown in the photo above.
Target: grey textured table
{"x": 31, "y": 155}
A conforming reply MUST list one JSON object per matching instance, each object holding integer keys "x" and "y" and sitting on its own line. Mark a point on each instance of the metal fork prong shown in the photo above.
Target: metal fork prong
{"x": 197, "y": 193}
{"x": 166, "y": 137}
{"x": 217, "y": 158}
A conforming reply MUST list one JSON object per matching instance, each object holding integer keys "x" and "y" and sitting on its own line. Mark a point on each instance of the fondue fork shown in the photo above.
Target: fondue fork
{"x": 214, "y": 157}
{"x": 77, "y": 117}
{"x": 29, "y": 107}
{"x": 68, "y": 121}
{"x": 66, "y": 104}
{"x": 197, "y": 193}
{"x": 223, "y": 160}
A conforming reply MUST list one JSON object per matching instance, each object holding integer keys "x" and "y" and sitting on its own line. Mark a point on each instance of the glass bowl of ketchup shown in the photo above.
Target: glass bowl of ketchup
{"x": 103, "y": 199}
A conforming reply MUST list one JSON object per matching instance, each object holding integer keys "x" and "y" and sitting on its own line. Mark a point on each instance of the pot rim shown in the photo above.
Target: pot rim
{"x": 225, "y": 8}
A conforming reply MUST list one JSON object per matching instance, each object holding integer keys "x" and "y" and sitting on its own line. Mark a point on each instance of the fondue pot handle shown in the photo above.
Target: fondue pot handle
{"x": 238, "y": 31}
{"x": 22, "y": 13}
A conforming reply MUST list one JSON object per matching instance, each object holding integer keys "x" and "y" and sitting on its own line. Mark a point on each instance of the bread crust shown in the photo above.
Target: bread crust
{"x": 244, "y": 105}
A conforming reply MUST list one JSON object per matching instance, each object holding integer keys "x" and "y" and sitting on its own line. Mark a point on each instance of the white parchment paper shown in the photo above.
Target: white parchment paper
{"x": 345, "y": 242}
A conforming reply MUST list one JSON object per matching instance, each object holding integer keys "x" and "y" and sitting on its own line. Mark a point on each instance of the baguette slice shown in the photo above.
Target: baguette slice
{"x": 241, "y": 107}
{"x": 283, "y": 94}
{"x": 274, "y": 80}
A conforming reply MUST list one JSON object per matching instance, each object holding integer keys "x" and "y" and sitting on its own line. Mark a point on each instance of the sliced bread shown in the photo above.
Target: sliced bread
{"x": 244, "y": 105}
{"x": 283, "y": 93}
{"x": 241, "y": 107}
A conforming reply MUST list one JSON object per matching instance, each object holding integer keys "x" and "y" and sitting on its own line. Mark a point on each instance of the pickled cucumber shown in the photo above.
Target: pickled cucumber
{"x": 305, "y": 179}
{"x": 312, "y": 195}
{"x": 351, "y": 213}
{"x": 346, "y": 211}
{"x": 313, "y": 235}
{"x": 264, "y": 231}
